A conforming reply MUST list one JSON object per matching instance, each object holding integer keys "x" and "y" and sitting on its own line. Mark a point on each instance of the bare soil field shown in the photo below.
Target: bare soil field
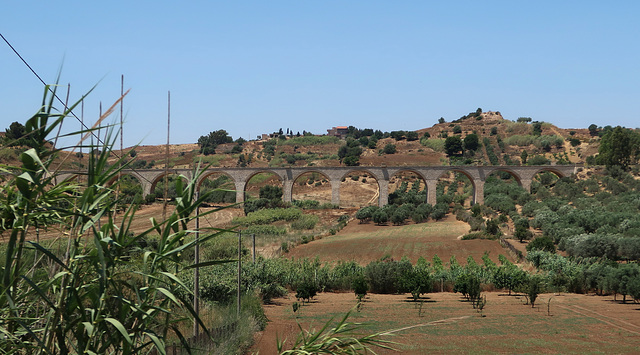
{"x": 368, "y": 242}
{"x": 572, "y": 324}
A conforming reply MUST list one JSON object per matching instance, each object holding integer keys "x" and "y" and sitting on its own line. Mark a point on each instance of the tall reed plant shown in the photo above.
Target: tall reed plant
{"x": 105, "y": 293}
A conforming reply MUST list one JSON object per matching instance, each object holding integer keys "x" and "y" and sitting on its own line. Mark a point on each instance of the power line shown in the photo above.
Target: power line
{"x": 59, "y": 100}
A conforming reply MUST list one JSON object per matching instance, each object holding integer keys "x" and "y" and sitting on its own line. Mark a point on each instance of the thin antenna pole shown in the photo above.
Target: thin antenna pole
{"x": 100, "y": 124}
{"x": 196, "y": 276}
{"x": 239, "y": 273}
{"x": 81, "y": 123}
{"x": 66, "y": 106}
{"x": 166, "y": 158}
{"x": 121, "y": 113}
{"x": 121, "y": 134}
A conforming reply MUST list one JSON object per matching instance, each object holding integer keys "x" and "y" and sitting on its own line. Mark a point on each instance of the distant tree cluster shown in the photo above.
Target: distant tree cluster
{"x": 16, "y": 135}
{"x": 476, "y": 114}
{"x": 210, "y": 142}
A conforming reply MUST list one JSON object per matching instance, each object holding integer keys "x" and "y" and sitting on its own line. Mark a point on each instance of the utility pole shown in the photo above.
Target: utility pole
{"x": 166, "y": 159}
{"x": 121, "y": 132}
{"x": 253, "y": 236}
{"x": 196, "y": 283}
{"x": 239, "y": 269}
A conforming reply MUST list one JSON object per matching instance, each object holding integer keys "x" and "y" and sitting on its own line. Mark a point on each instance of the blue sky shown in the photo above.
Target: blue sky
{"x": 252, "y": 67}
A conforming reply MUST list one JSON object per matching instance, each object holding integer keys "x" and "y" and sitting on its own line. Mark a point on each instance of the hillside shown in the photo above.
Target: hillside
{"x": 507, "y": 139}
{"x": 501, "y": 142}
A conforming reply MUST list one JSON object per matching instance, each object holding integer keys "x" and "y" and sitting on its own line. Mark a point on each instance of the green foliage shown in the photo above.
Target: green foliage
{"x": 306, "y": 221}
{"x": 261, "y": 203}
{"x": 360, "y": 287}
{"x": 492, "y": 227}
{"x": 619, "y": 147}
{"x": 267, "y": 216}
{"x": 411, "y": 135}
{"x": 493, "y": 158}
{"x": 509, "y": 276}
{"x": 105, "y": 295}
{"x": 457, "y": 129}
{"x": 468, "y": 284}
{"x": 417, "y": 280}
{"x": 305, "y": 141}
{"x": 439, "y": 211}
{"x": 271, "y": 192}
{"x": 535, "y": 287}
{"x": 350, "y": 152}
{"x": 538, "y": 160}
{"x": 209, "y": 142}
{"x": 544, "y": 243}
{"x": 366, "y": 213}
{"x": 592, "y": 245}
{"x": 478, "y": 235}
{"x": 389, "y": 149}
{"x": 306, "y": 204}
{"x": 380, "y": 217}
{"x": 453, "y": 146}
{"x": 536, "y": 128}
{"x": 306, "y": 291}
{"x": 471, "y": 142}
{"x": 335, "y": 340}
{"x": 574, "y": 142}
{"x": 261, "y": 229}
{"x": 436, "y": 144}
{"x": 385, "y": 275}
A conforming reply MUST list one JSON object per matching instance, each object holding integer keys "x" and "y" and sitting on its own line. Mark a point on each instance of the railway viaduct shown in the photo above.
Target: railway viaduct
{"x": 430, "y": 174}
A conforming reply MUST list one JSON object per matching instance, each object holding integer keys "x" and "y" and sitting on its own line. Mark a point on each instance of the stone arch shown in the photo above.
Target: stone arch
{"x": 550, "y": 169}
{"x": 123, "y": 174}
{"x": 394, "y": 185}
{"x": 381, "y": 193}
{"x": 511, "y": 172}
{"x": 286, "y": 195}
{"x": 541, "y": 170}
{"x": 477, "y": 185}
{"x": 302, "y": 179}
{"x": 160, "y": 176}
{"x": 209, "y": 173}
{"x": 132, "y": 192}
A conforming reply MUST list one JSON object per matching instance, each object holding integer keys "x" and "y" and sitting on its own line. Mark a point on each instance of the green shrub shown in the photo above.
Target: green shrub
{"x": 543, "y": 243}
{"x": 389, "y": 149}
{"x": 306, "y": 204}
{"x": 306, "y": 221}
{"x": 305, "y": 141}
{"x": 479, "y": 235}
{"x": 266, "y": 216}
{"x": 436, "y": 144}
{"x": 265, "y": 230}
{"x": 384, "y": 275}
